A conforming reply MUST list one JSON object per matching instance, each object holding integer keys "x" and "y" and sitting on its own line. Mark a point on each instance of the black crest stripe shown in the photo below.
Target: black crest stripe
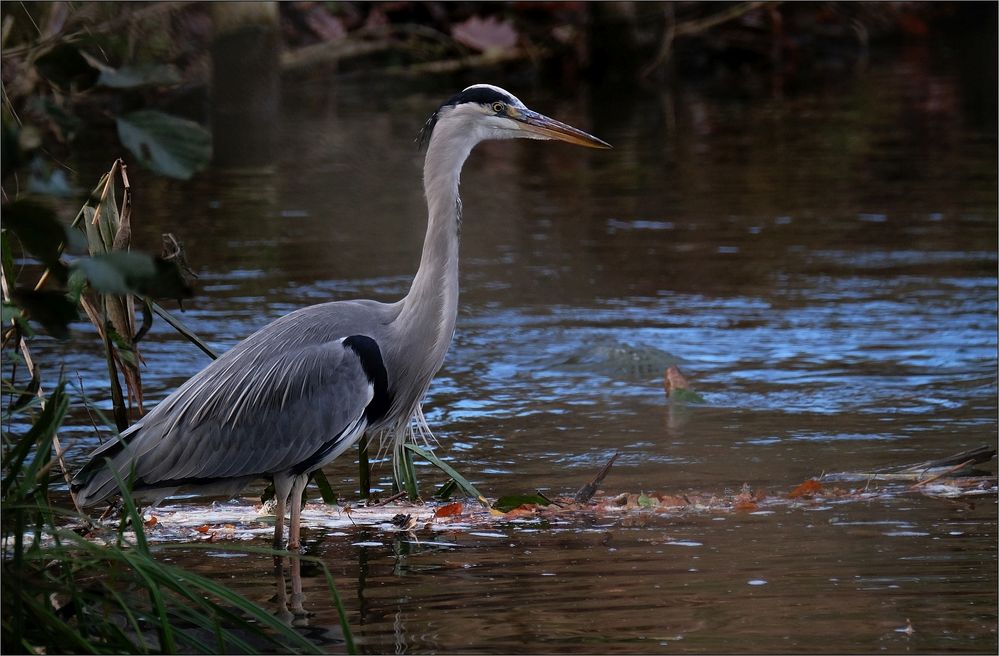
{"x": 483, "y": 95}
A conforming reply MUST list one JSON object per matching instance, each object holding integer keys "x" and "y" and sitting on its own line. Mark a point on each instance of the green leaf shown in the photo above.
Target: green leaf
{"x": 49, "y": 181}
{"x": 167, "y": 144}
{"x": 141, "y": 75}
{"x": 444, "y": 493}
{"x": 49, "y": 308}
{"x": 645, "y": 501}
{"x": 125, "y": 350}
{"x": 39, "y": 231}
{"x": 46, "y": 106}
{"x": 449, "y": 470}
{"x": 75, "y": 285}
{"x": 107, "y": 273}
{"x": 126, "y": 272}
{"x": 511, "y": 501}
{"x": 10, "y": 312}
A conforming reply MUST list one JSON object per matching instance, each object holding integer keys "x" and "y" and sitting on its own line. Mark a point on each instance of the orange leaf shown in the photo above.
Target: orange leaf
{"x": 746, "y": 505}
{"x": 669, "y": 500}
{"x": 202, "y": 529}
{"x": 449, "y": 510}
{"x": 806, "y": 489}
{"x": 521, "y": 511}
{"x": 151, "y": 522}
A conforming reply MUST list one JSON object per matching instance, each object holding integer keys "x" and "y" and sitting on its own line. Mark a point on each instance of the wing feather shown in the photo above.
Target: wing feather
{"x": 288, "y": 394}
{"x": 258, "y": 414}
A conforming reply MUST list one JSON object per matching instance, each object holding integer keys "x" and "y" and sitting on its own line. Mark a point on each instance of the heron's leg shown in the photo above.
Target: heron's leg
{"x": 282, "y": 487}
{"x": 295, "y": 530}
{"x": 279, "y": 524}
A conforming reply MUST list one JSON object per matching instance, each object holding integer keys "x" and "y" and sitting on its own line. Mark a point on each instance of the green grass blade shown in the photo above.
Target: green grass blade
{"x": 363, "y": 467}
{"x": 348, "y": 636}
{"x": 449, "y": 470}
{"x": 409, "y": 473}
{"x": 40, "y": 437}
{"x": 164, "y": 626}
{"x": 129, "y": 615}
{"x": 288, "y": 634}
{"x": 268, "y": 551}
{"x": 55, "y": 628}
{"x": 325, "y": 489}
{"x": 130, "y": 510}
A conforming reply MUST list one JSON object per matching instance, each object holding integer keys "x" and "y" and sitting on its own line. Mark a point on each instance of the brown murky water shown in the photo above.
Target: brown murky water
{"x": 821, "y": 264}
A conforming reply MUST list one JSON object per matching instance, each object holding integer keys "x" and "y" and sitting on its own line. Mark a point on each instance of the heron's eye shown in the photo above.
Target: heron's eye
{"x": 499, "y": 107}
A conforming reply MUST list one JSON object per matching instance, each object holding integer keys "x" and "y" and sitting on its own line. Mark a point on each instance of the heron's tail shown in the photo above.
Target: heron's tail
{"x": 95, "y": 481}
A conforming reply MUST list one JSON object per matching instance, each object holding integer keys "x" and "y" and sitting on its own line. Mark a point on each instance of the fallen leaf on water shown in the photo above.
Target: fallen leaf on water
{"x": 404, "y": 522}
{"x": 151, "y": 522}
{"x": 806, "y": 489}
{"x": 524, "y": 510}
{"x": 450, "y": 510}
{"x": 669, "y": 500}
{"x": 511, "y": 501}
{"x": 674, "y": 380}
{"x": 202, "y": 529}
{"x": 644, "y": 501}
{"x": 744, "y": 500}
{"x": 678, "y": 388}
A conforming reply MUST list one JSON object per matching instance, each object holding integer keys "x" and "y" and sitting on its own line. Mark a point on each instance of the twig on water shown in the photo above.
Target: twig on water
{"x": 586, "y": 492}
{"x": 385, "y": 502}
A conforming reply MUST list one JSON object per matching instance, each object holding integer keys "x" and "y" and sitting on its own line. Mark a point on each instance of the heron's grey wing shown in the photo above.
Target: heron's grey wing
{"x": 260, "y": 409}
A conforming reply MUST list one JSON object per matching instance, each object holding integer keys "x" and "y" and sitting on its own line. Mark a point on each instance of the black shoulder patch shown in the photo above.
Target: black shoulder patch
{"x": 482, "y": 95}
{"x": 374, "y": 368}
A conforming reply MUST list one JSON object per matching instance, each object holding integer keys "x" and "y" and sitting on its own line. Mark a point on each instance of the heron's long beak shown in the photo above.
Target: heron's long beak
{"x": 549, "y": 128}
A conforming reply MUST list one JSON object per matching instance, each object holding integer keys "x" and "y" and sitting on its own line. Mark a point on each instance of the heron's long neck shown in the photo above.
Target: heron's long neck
{"x": 430, "y": 308}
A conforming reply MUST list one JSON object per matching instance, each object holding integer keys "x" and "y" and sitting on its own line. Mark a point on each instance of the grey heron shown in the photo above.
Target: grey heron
{"x": 300, "y": 391}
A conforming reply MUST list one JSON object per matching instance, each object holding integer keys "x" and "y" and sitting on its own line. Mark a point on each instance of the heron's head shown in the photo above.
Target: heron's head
{"x": 484, "y": 111}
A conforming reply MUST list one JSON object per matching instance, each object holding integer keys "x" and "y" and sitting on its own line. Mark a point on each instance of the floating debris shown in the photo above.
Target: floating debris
{"x": 947, "y": 478}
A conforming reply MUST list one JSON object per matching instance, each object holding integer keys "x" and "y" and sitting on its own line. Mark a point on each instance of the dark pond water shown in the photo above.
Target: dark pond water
{"x": 821, "y": 264}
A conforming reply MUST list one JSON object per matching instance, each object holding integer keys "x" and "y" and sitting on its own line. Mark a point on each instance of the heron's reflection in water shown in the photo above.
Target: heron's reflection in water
{"x": 290, "y": 608}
